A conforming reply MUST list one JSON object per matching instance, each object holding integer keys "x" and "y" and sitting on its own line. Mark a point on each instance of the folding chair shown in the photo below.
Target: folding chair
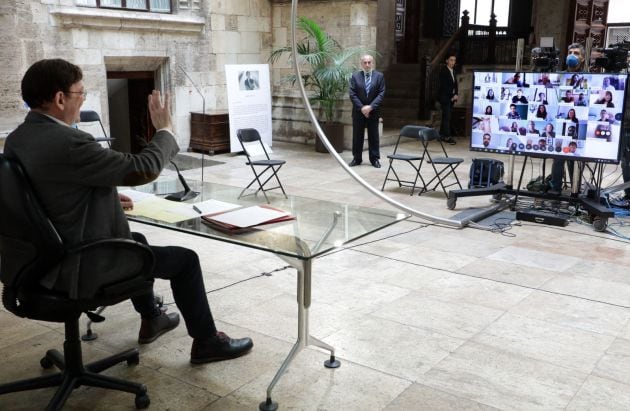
{"x": 414, "y": 160}
{"x": 442, "y": 166}
{"x": 91, "y": 116}
{"x": 248, "y": 137}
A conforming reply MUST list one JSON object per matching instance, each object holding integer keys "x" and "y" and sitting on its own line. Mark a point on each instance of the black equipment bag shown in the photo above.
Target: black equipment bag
{"x": 485, "y": 172}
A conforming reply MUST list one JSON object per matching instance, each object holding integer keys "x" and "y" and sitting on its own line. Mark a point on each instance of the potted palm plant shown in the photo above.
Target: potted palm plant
{"x": 328, "y": 76}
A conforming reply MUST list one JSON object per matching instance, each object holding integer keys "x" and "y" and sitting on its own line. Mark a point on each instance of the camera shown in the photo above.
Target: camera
{"x": 614, "y": 58}
{"x": 545, "y": 59}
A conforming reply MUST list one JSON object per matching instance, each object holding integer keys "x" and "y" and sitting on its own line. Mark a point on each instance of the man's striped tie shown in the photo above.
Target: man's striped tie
{"x": 368, "y": 82}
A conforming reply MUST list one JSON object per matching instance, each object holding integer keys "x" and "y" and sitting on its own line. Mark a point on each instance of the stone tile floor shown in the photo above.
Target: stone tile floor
{"x": 423, "y": 316}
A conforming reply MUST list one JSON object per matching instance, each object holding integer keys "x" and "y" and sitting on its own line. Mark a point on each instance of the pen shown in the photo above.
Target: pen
{"x": 196, "y": 209}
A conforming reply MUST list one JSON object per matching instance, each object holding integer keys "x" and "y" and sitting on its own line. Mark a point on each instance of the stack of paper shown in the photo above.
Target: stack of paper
{"x": 248, "y": 217}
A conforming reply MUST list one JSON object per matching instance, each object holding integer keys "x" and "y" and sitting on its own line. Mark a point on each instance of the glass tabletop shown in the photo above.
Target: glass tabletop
{"x": 319, "y": 226}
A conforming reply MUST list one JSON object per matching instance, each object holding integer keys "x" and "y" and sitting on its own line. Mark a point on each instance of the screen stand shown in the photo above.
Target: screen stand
{"x": 598, "y": 214}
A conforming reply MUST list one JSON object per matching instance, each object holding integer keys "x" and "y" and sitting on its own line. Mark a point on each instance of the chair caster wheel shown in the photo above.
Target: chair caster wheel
{"x": 46, "y": 363}
{"x": 142, "y": 401}
{"x": 600, "y": 224}
{"x": 134, "y": 360}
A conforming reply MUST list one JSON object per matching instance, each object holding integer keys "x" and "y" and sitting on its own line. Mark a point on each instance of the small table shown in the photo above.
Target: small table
{"x": 320, "y": 226}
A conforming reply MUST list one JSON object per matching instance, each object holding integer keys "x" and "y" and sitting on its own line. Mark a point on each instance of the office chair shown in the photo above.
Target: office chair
{"x": 91, "y": 116}
{"x": 29, "y": 248}
{"x": 442, "y": 166}
{"x": 413, "y": 159}
{"x": 251, "y": 136}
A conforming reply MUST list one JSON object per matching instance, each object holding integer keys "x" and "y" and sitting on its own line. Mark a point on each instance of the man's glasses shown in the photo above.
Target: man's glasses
{"x": 83, "y": 93}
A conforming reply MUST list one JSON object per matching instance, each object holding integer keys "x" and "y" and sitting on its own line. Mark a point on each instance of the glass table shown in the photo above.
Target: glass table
{"x": 319, "y": 227}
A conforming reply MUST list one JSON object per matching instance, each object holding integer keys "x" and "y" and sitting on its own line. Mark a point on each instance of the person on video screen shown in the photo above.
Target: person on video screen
{"x": 571, "y": 116}
{"x": 488, "y": 110}
{"x": 513, "y": 114}
{"x": 486, "y": 140}
{"x": 581, "y": 101}
{"x": 541, "y": 113}
{"x": 490, "y": 94}
{"x": 574, "y": 81}
{"x": 606, "y": 116}
{"x": 607, "y": 99}
{"x": 519, "y": 98}
{"x": 542, "y": 99}
{"x": 515, "y": 79}
{"x": 568, "y": 97}
{"x": 531, "y": 128}
{"x": 548, "y": 132}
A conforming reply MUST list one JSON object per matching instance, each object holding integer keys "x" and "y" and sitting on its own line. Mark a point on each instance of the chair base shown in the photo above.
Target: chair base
{"x": 74, "y": 374}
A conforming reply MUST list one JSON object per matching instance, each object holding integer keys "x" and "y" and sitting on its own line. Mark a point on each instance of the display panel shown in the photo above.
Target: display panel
{"x": 560, "y": 115}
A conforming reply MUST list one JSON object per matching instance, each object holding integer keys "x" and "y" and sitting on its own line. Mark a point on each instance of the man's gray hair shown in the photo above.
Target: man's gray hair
{"x": 576, "y": 46}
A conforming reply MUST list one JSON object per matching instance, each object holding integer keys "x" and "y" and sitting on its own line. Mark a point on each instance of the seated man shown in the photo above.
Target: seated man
{"x": 76, "y": 179}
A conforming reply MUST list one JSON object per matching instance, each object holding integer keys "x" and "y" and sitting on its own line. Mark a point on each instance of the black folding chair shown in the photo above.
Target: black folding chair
{"x": 443, "y": 166}
{"x": 251, "y": 136}
{"x": 414, "y": 160}
{"x": 91, "y": 116}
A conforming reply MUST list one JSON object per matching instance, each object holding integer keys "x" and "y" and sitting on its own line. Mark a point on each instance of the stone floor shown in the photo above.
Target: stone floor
{"x": 423, "y": 316}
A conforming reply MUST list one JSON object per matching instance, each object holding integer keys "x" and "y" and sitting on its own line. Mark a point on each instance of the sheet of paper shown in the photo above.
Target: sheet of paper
{"x": 254, "y": 149}
{"x": 250, "y": 216}
{"x": 163, "y": 210}
{"x": 214, "y": 207}
{"x": 137, "y": 196}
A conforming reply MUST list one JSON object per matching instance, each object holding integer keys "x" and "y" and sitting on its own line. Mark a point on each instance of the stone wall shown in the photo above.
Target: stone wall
{"x": 200, "y": 41}
{"x": 352, "y": 23}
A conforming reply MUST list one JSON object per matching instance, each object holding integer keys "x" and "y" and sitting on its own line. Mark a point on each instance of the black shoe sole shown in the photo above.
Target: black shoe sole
{"x": 206, "y": 360}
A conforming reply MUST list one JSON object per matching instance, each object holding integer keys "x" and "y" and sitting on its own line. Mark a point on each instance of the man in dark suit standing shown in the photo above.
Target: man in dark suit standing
{"x": 75, "y": 179}
{"x": 367, "y": 90}
{"x": 447, "y": 96}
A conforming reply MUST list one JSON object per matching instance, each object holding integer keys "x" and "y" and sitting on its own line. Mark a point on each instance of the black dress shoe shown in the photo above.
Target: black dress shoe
{"x": 376, "y": 164}
{"x": 449, "y": 140}
{"x": 152, "y": 328}
{"x": 354, "y": 163}
{"x": 218, "y": 348}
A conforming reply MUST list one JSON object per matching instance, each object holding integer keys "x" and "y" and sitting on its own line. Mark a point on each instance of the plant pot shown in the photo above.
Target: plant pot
{"x": 334, "y": 132}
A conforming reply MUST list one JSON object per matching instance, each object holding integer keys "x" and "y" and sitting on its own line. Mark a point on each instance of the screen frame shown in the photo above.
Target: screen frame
{"x": 560, "y": 142}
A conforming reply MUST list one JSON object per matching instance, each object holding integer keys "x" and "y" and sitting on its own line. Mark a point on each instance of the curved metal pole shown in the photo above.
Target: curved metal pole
{"x": 332, "y": 151}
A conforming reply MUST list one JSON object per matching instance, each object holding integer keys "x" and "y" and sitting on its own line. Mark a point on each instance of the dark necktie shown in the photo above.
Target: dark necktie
{"x": 368, "y": 82}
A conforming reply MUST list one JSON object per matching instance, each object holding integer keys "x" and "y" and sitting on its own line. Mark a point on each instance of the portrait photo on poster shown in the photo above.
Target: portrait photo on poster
{"x": 248, "y": 80}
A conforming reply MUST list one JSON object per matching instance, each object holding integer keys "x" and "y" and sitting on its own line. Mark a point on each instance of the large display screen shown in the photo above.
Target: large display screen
{"x": 560, "y": 115}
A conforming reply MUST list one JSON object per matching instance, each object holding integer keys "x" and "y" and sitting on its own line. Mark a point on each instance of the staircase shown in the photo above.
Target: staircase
{"x": 401, "y": 104}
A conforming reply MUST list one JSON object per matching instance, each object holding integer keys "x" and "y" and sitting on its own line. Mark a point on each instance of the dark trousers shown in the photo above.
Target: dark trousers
{"x": 181, "y": 266}
{"x": 445, "y": 125}
{"x": 359, "y": 123}
{"x": 557, "y": 172}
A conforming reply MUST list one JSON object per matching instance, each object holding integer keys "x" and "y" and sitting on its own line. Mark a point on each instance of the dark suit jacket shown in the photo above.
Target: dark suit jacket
{"x": 448, "y": 85}
{"x": 359, "y": 97}
{"x": 75, "y": 179}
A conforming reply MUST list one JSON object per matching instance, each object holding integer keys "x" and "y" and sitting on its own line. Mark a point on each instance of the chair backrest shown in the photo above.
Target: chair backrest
{"x": 88, "y": 116}
{"x": 425, "y": 135}
{"x": 250, "y": 135}
{"x": 29, "y": 243}
{"x": 30, "y": 247}
{"x": 429, "y": 134}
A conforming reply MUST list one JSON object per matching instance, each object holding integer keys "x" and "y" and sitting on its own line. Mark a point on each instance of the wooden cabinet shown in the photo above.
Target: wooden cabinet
{"x": 210, "y": 132}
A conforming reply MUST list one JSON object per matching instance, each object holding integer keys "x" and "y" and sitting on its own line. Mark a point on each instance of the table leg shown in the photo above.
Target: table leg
{"x": 304, "y": 338}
